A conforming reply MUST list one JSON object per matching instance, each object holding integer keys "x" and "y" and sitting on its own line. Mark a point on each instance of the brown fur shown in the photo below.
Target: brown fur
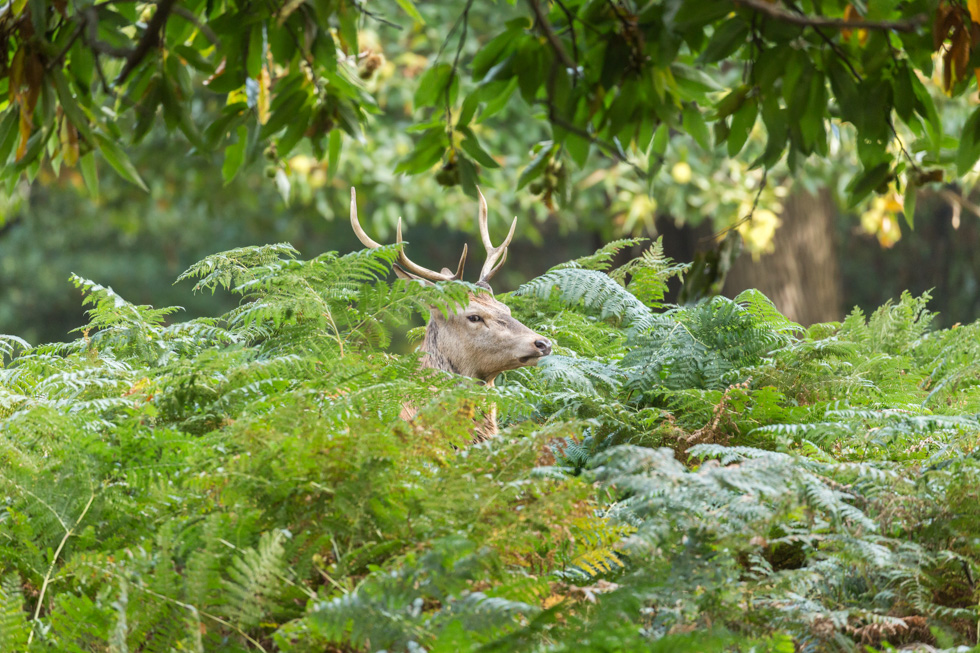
{"x": 481, "y": 349}
{"x": 481, "y": 340}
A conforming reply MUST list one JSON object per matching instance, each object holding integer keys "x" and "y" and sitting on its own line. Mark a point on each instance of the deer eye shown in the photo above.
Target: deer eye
{"x": 474, "y": 318}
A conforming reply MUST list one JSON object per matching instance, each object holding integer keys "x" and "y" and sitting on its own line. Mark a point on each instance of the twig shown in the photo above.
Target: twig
{"x": 150, "y": 39}
{"x": 191, "y": 17}
{"x": 553, "y": 39}
{"x": 54, "y": 560}
{"x": 778, "y": 13}
{"x": 956, "y": 199}
{"x": 755, "y": 203}
{"x": 465, "y": 20}
{"x": 609, "y": 148}
{"x": 61, "y": 55}
{"x": 378, "y": 17}
{"x": 571, "y": 28}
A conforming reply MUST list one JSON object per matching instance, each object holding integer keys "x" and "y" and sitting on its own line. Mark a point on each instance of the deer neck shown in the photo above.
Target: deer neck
{"x": 439, "y": 356}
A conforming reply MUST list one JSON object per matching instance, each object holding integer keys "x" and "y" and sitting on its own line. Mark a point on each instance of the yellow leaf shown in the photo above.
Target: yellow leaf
{"x": 26, "y": 126}
{"x": 264, "y": 96}
{"x": 974, "y": 7}
{"x": 69, "y": 143}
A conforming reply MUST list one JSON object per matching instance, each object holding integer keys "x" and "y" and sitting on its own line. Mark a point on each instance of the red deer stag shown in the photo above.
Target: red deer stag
{"x": 480, "y": 340}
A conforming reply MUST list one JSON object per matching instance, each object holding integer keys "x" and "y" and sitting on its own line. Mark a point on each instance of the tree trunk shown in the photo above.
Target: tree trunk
{"x": 801, "y": 276}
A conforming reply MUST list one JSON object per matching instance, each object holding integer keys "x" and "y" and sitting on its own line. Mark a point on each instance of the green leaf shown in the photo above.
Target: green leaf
{"x": 532, "y": 68}
{"x": 727, "y": 38}
{"x": 908, "y": 205}
{"x": 903, "y": 93}
{"x": 333, "y": 152}
{"x": 866, "y": 181}
{"x": 969, "y": 149}
{"x": 537, "y": 165}
{"x": 467, "y": 175}
{"x": 471, "y": 145}
{"x": 774, "y": 118}
{"x": 496, "y": 50}
{"x": 500, "y": 100}
{"x": 578, "y": 148}
{"x": 119, "y": 161}
{"x": 234, "y": 155}
{"x": 8, "y": 133}
{"x": 432, "y": 85}
{"x": 427, "y": 152}
{"x": 69, "y": 105}
{"x": 284, "y": 113}
{"x": 90, "y": 173}
{"x": 295, "y": 131}
{"x": 409, "y": 8}
{"x": 742, "y": 123}
{"x": 194, "y": 58}
{"x": 253, "y": 61}
{"x": 695, "y": 126}
{"x": 693, "y": 84}
{"x": 348, "y": 15}
{"x": 661, "y": 138}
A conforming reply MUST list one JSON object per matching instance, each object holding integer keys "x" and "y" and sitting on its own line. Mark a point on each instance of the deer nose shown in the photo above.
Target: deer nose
{"x": 543, "y": 345}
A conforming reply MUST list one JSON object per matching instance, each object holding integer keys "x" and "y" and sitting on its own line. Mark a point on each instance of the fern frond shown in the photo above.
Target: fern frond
{"x": 595, "y": 291}
{"x": 255, "y": 580}
{"x": 601, "y": 260}
{"x": 14, "y": 626}
{"x": 234, "y": 267}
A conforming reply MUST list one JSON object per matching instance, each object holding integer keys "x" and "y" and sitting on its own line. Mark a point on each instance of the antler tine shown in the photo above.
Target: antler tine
{"x": 403, "y": 261}
{"x": 494, "y": 254}
{"x": 356, "y": 225}
{"x": 416, "y": 269}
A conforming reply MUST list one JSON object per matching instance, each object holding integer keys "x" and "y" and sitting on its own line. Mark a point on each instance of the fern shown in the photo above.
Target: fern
{"x": 255, "y": 579}
{"x": 14, "y": 627}
{"x": 707, "y": 477}
{"x": 599, "y": 294}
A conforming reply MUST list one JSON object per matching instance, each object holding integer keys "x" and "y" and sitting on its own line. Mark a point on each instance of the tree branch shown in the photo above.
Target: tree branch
{"x": 150, "y": 39}
{"x": 778, "y": 13}
{"x": 553, "y": 39}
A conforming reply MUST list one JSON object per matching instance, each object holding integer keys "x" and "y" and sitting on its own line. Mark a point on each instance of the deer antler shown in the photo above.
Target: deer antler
{"x": 407, "y": 266}
{"x": 493, "y": 253}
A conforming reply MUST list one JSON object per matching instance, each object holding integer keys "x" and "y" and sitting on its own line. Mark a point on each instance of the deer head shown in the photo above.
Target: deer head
{"x": 480, "y": 340}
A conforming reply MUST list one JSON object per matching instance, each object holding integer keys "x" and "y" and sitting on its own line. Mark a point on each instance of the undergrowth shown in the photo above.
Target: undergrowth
{"x": 707, "y": 478}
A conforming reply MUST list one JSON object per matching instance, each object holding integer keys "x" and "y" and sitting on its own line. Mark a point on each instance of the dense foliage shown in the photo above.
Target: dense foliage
{"x": 615, "y": 77}
{"x": 703, "y": 478}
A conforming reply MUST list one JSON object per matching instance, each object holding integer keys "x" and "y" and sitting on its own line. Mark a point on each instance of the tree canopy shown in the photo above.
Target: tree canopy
{"x": 620, "y": 78}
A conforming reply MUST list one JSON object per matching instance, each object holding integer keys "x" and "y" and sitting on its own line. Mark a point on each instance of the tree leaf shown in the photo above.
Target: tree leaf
{"x": 234, "y": 155}
{"x": 742, "y": 123}
{"x": 119, "y": 160}
{"x": 969, "y": 149}
{"x": 432, "y": 85}
{"x": 90, "y": 173}
{"x": 8, "y": 134}
{"x": 537, "y": 165}
{"x": 409, "y": 8}
{"x": 866, "y": 181}
{"x": 471, "y": 145}
{"x": 695, "y": 126}
{"x": 908, "y": 206}
{"x": 728, "y": 37}
{"x": 333, "y": 152}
